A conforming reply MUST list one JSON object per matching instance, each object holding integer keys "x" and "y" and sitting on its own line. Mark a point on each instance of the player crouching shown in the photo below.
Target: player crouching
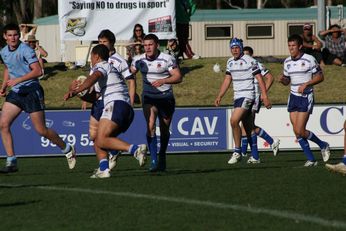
{"x": 117, "y": 114}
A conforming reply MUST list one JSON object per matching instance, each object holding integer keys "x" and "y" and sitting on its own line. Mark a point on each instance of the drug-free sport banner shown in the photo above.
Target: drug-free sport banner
{"x": 192, "y": 130}
{"x": 84, "y": 19}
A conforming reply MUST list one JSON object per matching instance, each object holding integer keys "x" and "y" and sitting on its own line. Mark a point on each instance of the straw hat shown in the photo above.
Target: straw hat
{"x": 31, "y": 38}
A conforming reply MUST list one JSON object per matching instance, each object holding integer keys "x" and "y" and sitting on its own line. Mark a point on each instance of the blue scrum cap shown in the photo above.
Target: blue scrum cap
{"x": 236, "y": 42}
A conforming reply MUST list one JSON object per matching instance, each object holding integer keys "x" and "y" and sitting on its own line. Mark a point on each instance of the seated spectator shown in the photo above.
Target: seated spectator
{"x": 172, "y": 48}
{"x": 137, "y": 38}
{"x": 40, "y": 52}
{"x": 334, "y": 51}
{"x": 138, "y": 49}
{"x": 26, "y": 30}
{"x": 311, "y": 44}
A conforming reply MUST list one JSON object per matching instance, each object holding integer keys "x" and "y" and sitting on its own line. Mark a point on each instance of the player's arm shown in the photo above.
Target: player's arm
{"x": 223, "y": 89}
{"x": 4, "y": 82}
{"x": 269, "y": 79}
{"x": 89, "y": 82}
{"x": 316, "y": 79}
{"x": 131, "y": 83}
{"x": 174, "y": 78}
{"x": 262, "y": 86}
{"x": 35, "y": 72}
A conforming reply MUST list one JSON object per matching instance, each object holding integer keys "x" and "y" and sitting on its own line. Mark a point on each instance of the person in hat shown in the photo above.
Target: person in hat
{"x": 172, "y": 48}
{"x": 311, "y": 44}
{"x": 39, "y": 51}
{"x": 335, "y": 48}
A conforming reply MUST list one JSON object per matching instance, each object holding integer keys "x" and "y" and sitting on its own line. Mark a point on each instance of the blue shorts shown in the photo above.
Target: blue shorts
{"x": 243, "y": 102}
{"x": 97, "y": 109}
{"x": 120, "y": 113}
{"x": 29, "y": 101}
{"x": 165, "y": 106}
{"x": 300, "y": 103}
{"x": 257, "y": 104}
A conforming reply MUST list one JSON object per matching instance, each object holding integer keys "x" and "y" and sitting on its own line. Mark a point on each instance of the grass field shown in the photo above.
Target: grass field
{"x": 198, "y": 192}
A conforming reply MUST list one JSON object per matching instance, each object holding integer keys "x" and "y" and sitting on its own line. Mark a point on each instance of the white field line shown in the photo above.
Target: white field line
{"x": 296, "y": 217}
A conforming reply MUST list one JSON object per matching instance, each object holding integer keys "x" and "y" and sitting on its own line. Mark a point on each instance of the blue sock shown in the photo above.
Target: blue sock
{"x": 264, "y": 135}
{"x": 244, "y": 144}
{"x": 237, "y": 150}
{"x": 304, "y": 144}
{"x": 344, "y": 159}
{"x": 133, "y": 148}
{"x": 12, "y": 160}
{"x": 152, "y": 144}
{"x": 103, "y": 164}
{"x": 67, "y": 148}
{"x": 254, "y": 148}
{"x": 316, "y": 140}
{"x": 113, "y": 152}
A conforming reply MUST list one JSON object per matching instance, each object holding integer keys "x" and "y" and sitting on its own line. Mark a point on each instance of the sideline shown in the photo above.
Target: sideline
{"x": 296, "y": 217}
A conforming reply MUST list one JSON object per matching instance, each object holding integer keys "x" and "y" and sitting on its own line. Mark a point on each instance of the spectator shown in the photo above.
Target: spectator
{"x": 183, "y": 10}
{"x": 334, "y": 51}
{"x": 311, "y": 44}
{"x": 172, "y": 48}
{"x": 40, "y": 52}
{"x": 137, "y": 38}
{"x": 26, "y": 30}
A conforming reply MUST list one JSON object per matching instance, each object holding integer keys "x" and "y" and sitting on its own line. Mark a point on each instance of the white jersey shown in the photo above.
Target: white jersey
{"x": 264, "y": 71}
{"x": 112, "y": 84}
{"x": 153, "y": 70}
{"x": 300, "y": 71}
{"x": 243, "y": 71}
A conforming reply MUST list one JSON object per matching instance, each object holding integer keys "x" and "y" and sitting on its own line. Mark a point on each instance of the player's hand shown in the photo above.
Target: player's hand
{"x": 158, "y": 83}
{"x": 217, "y": 101}
{"x": 84, "y": 105}
{"x": 302, "y": 88}
{"x": 74, "y": 85}
{"x": 12, "y": 82}
{"x": 69, "y": 95}
{"x": 284, "y": 80}
{"x": 266, "y": 102}
{"x": 3, "y": 92}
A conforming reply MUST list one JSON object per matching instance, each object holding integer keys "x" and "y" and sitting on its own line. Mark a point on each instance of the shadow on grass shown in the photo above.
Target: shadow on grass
{"x": 19, "y": 203}
{"x": 185, "y": 70}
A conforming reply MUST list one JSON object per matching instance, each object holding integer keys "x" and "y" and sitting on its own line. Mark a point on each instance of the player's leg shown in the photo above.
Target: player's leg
{"x": 8, "y": 115}
{"x": 248, "y": 122}
{"x": 150, "y": 113}
{"x": 39, "y": 122}
{"x": 244, "y": 141}
{"x": 340, "y": 167}
{"x": 299, "y": 121}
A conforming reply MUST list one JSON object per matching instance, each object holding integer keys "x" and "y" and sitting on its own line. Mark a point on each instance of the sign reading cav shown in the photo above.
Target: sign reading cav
{"x": 191, "y": 130}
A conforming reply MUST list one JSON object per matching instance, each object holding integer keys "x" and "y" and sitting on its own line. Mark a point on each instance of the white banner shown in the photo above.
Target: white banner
{"x": 84, "y": 19}
{"x": 326, "y": 122}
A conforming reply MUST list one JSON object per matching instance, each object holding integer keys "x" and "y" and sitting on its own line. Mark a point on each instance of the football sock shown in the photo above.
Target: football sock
{"x": 67, "y": 148}
{"x": 316, "y": 140}
{"x": 133, "y": 148}
{"x": 237, "y": 150}
{"x": 344, "y": 159}
{"x": 152, "y": 144}
{"x": 12, "y": 160}
{"x": 104, "y": 164}
{"x": 113, "y": 152}
{"x": 304, "y": 144}
{"x": 264, "y": 135}
{"x": 244, "y": 144}
{"x": 253, "y": 144}
{"x": 164, "y": 139}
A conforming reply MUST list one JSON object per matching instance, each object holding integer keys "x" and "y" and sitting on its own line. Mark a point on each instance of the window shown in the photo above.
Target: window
{"x": 218, "y": 31}
{"x": 259, "y": 31}
{"x": 297, "y": 28}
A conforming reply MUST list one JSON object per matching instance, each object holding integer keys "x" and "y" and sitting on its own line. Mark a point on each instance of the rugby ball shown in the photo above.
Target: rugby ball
{"x": 88, "y": 95}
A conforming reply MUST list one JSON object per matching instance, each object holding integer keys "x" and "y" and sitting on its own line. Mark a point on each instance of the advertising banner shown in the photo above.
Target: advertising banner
{"x": 84, "y": 19}
{"x": 192, "y": 130}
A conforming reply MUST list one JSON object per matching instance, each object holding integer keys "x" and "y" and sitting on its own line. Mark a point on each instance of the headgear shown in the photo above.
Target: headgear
{"x": 236, "y": 42}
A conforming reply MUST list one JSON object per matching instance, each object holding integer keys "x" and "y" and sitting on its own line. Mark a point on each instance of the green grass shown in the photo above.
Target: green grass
{"x": 198, "y": 192}
{"x": 200, "y": 85}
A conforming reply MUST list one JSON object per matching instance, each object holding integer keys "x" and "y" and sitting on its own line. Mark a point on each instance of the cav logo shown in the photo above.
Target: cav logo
{"x": 330, "y": 115}
{"x": 198, "y": 125}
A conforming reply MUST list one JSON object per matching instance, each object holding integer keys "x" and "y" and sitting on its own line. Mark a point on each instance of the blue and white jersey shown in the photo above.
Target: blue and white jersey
{"x": 264, "y": 71}
{"x": 300, "y": 71}
{"x": 118, "y": 63}
{"x": 18, "y": 62}
{"x": 153, "y": 70}
{"x": 243, "y": 71}
{"x": 112, "y": 84}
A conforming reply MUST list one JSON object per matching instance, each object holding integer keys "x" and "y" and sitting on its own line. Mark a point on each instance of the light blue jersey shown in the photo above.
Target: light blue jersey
{"x": 18, "y": 63}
